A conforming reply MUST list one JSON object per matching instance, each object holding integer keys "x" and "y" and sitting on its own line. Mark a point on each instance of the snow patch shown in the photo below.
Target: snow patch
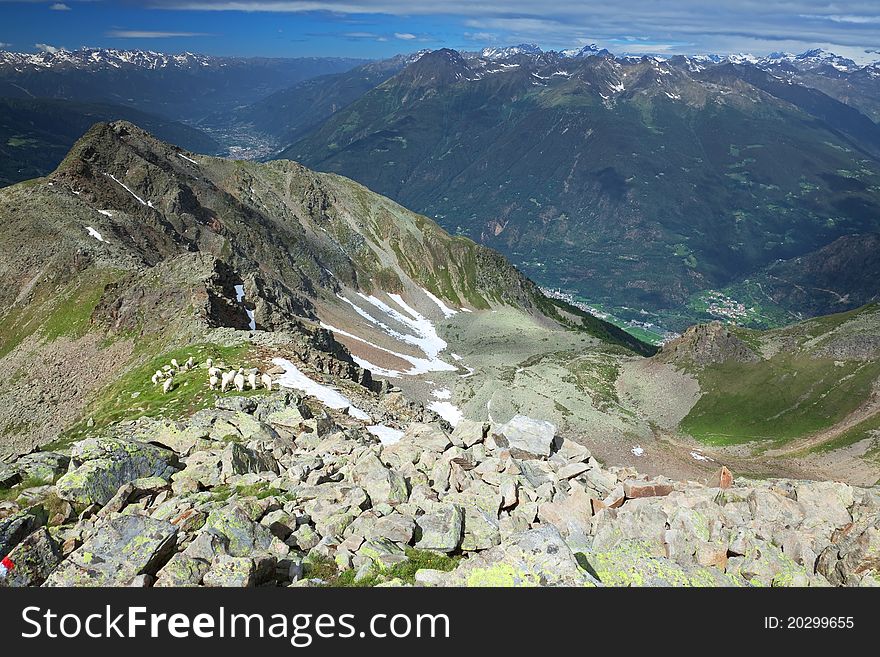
{"x": 449, "y": 412}
{"x": 637, "y": 451}
{"x": 294, "y": 378}
{"x": 188, "y": 159}
{"x": 95, "y": 234}
{"x": 446, "y": 310}
{"x": 386, "y": 435}
{"x": 442, "y": 393}
{"x": 127, "y": 188}
{"x": 423, "y": 333}
{"x": 239, "y": 296}
{"x": 419, "y": 365}
{"x": 700, "y": 457}
{"x": 106, "y": 213}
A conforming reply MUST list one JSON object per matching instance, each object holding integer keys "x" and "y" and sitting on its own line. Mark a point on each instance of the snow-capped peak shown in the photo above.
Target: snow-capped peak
{"x": 91, "y": 58}
{"x": 510, "y": 51}
{"x": 742, "y": 58}
{"x": 586, "y": 51}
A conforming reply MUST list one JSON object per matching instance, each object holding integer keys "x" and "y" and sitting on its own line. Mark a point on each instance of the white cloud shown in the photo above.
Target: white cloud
{"x": 45, "y": 47}
{"x": 59, "y": 6}
{"x": 690, "y": 26}
{"x": 405, "y": 36}
{"x": 481, "y": 37}
{"x": 151, "y": 34}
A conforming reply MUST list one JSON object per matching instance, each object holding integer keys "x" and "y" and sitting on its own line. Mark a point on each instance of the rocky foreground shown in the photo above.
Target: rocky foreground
{"x": 271, "y": 491}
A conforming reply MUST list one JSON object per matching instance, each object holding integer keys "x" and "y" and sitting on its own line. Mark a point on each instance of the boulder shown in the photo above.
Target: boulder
{"x": 635, "y": 488}
{"x": 428, "y": 437}
{"x": 34, "y": 558}
{"x": 182, "y": 570}
{"x": 244, "y": 535}
{"x": 536, "y": 557}
{"x": 442, "y": 530}
{"x": 633, "y": 563}
{"x": 238, "y": 460}
{"x": 524, "y": 434}
{"x": 383, "y": 485}
{"x": 102, "y": 465}
{"x": 16, "y": 527}
{"x": 571, "y": 515}
{"x": 123, "y": 547}
{"x": 44, "y": 467}
{"x": 723, "y": 478}
{"x": 468, "y": 433}
{"x": 226, "y": 571}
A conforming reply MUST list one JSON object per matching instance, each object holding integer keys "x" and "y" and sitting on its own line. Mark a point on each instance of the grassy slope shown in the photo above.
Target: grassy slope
{"x": 792, "y": 394}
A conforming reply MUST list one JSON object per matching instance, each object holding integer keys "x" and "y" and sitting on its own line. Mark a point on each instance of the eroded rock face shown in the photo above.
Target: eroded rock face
{"x": 708, "y": 343}
{"x": 519, "y": 506}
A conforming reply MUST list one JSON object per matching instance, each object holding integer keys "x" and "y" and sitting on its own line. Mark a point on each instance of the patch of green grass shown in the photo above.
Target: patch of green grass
{"x": 12, "y": 493}
{"x": 133, "y": 395}
{"x": 776, "y": 400}
{"x": 324, "y": 568}
{"x": 867, "y": 428}
{"x": 56, "y": 312}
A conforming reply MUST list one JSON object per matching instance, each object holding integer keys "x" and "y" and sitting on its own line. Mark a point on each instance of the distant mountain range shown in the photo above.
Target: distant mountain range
{"x": 48, "y": 100}
{"x": 639, "y": 184}
{"x": 648, "y": 187}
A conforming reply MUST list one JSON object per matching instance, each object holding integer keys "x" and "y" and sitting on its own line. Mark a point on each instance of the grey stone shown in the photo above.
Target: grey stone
{"x": 441, "y": 530}
{"x": 537, "y": 557}
{"x": 182, "y": 570}
{"x": 15, "y": 528}
{"x": 124, "y": 547}
{"x": 244, "y": 535}
{"x": 34, "y": 558}
{"x": 238, "y": 460}
{"x": 228, "y": 572}
{"x": 102, "y": 465}
{"x": 525, "y": 434}
{"x": 384, "y": 486}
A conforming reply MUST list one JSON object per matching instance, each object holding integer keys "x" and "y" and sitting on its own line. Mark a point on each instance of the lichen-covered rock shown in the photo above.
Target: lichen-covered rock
{"x": 481, "y": 504}
{"x": 231, "y": 572}
{"x": 123, "y": 547}
{"x": 854, "y": 557}
{"x": 537, "y": 557}
{"x": 441, "y": 530}
{"x": 43, "y": 467}
{"x": 634, "y": 563}
{"x": 102, "y": 465}
{"x": 182, "y": 570}
{"x": 383, "y": 485}
{"x": 34, "y": 558}
{"x": 238, "y": 460}
{"x": 16, "y": 527}
{"x": 244, "y": 535}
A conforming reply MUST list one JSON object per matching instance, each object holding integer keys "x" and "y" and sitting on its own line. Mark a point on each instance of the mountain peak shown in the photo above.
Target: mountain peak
{"x": 585, "y": 51}
{"x": 510, "y": 51}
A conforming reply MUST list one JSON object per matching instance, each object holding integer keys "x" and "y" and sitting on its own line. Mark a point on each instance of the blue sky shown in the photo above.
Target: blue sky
{"x": 380, "y": 28}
